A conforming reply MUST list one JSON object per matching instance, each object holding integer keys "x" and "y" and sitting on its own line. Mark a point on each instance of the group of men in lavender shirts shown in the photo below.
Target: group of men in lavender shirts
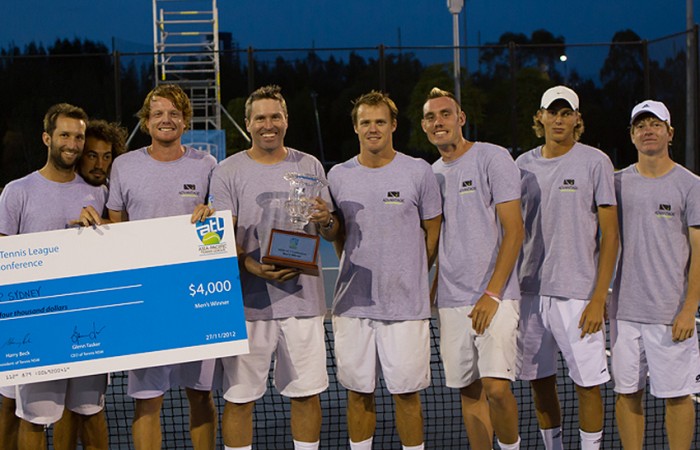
{"x": 525, "y": 253}
{"x": 575, "y": 218}
{"x": 71, "y": 190}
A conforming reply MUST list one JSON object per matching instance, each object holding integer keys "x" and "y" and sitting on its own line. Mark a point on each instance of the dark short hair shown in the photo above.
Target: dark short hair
{"x": 65, "y": 110}
{"x": 113, "y": 133}
{"x": 271, "y": 92}
{"x": 374, "y": 98}
{"x": 172, "y": 92}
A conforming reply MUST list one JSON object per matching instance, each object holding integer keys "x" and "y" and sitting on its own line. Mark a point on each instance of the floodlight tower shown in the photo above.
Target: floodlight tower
{"x": 691, "y": 156}
{"x": 455, "y": 7}
{"x": 186, "y": 52}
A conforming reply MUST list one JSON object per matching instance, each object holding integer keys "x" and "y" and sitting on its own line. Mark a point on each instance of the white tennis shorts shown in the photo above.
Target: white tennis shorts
{"x": 43, "y": 403}
{"x": 399, "y": 350}
{"x": 467, "y": 356}
{"x": 153, "y": 382}
{"x": 550, "y": 324}
{"x": 299, "y": 349}
{"x": 641, "y": 348}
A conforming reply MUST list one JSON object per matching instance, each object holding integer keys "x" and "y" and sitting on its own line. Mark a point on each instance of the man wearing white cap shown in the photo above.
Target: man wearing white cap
{"x": 568, "y": 196}
{"x": 657, "y": 287}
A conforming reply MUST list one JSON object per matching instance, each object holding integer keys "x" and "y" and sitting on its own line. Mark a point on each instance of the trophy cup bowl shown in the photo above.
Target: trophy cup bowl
{"x": 300, "y": 203}
{"x": 294, "y": 248}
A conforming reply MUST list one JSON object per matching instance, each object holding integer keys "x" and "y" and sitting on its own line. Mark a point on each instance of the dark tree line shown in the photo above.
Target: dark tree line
{"x": 499, "y": 99}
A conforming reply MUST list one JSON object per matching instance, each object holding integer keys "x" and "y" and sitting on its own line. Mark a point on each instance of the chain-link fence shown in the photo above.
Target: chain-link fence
{"x": 500, "y": 91}
{"x": 501, "y": 88}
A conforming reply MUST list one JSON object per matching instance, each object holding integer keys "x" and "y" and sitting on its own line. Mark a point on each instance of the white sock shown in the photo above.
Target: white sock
{"x": 414, "y": 447}
{"x": 364, "y": 445}
{"x": 247, "y": 447}
{"x": 591, "y": 441}
{"x": 514, "y": 446}
{"x": 552, "y": 438}
{"x": 298, "y": 445}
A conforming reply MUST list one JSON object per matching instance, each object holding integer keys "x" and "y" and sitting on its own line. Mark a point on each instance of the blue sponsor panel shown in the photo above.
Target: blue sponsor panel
{"x": 210, "y": 141}
{"x": 120, "y": 313}
{"x": 109, "y": 318}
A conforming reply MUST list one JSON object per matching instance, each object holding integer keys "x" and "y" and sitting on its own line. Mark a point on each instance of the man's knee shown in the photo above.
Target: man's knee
{"x": 148, "y": 406}
{"x": 409, "y": 403}
{"x": 497, "y": 389}
{"x": 361, "y": 400}
{"x": 588, "y": 393}
{"x": 632, "y": 397}
{"x": 200, "y": 401}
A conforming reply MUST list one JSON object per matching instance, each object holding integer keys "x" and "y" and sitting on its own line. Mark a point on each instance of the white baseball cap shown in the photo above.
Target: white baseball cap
{"x": 658, "y": 109}
{"x": 559, "y": 93}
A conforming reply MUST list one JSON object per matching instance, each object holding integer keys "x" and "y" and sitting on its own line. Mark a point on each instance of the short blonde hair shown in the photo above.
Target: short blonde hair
{"x": 172, "y": 92}
{"x": 436, "y": 92}
{"x": 374, "y": 98}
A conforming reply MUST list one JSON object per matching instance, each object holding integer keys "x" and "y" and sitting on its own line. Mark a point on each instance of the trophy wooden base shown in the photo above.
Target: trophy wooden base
{"x": 293, "y": 249}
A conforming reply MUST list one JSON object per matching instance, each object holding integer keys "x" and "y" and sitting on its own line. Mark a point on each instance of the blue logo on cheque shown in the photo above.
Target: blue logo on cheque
{"x": 211, "y": 231}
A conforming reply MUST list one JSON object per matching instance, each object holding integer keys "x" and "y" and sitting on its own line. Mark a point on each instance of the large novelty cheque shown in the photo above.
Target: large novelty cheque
{"x": 92, "y": 300}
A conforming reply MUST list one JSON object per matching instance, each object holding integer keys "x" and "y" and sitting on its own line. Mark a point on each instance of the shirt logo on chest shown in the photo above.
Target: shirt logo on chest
{"x": 189, "y": 190}
{"x": 393, "y": 198}
{"x": 664, "y": 211}
{"x": 568, "y": 185}
{"x": 467, "y": 187}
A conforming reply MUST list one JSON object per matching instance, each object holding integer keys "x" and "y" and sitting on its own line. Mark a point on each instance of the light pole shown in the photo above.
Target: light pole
{"x": 563, "y": 58}
{"x": 321, "y": 154}
{"x": 691, "y": 90}
{"x": 455, "y": 7}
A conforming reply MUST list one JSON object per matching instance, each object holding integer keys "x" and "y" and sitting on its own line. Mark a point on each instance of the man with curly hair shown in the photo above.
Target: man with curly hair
{"x": 104, "y": 141}
{"x": 568, "y": 201}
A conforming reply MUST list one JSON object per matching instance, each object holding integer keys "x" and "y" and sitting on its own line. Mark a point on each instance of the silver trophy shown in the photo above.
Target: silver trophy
{"x": 295, "y": 248}
{"x": 304, "y": 189}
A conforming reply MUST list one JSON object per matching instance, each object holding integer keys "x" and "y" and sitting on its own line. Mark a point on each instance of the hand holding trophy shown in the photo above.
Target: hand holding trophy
{"x": 295, "y": 248}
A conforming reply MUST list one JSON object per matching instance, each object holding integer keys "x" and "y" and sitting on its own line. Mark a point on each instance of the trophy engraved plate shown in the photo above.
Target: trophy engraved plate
{"x": 294, "y": 248}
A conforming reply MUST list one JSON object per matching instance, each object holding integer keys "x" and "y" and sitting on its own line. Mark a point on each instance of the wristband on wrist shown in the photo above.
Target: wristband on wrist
{"x": 494, "y": 296}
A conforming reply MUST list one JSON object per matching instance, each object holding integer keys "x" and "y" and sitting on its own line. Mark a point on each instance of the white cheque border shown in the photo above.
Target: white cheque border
{"x": 120, "y": 363}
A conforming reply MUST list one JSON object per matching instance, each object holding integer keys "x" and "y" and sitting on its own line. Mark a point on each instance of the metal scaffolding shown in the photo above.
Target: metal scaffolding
{"x": 186, "y": 52}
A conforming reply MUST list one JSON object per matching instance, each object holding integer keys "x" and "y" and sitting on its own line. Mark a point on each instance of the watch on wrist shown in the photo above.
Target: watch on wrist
{"x": 329, "y": 225}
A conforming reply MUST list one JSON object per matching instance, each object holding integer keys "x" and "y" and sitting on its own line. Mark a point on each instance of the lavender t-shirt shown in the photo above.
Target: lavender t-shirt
{"x": 471, "y": 234}
{"x": 256, "y": 193}
{"x": 560, "y": 197}
{"x": 147, "y": 189}
{"x": 652, "y": 272}
{"x": 32, "y": 204}
{"x": 383, "y": 269}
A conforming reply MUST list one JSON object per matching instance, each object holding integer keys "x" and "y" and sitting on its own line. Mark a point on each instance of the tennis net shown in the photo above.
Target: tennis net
{"x": 444, "y": 428}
